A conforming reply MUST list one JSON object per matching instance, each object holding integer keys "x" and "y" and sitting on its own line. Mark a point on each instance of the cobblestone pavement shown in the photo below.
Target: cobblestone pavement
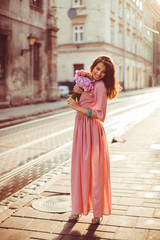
{"x": 135, "y": 177}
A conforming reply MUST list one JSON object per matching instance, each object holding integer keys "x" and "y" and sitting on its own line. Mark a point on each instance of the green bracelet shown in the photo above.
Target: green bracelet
{"x": 89, "y": 113}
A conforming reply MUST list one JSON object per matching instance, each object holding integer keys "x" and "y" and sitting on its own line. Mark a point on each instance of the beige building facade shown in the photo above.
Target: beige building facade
{"x": 153, "y": 8}
{"x": 120, "y": 29}
{"x": 28, "y": 74}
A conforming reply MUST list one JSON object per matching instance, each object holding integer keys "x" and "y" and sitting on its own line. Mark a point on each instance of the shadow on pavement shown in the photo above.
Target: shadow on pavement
{"x": 76, "y": 234}
{"x": 91, "y": 232}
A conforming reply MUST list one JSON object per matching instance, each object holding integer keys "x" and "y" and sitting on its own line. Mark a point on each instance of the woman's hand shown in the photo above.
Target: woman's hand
{"x": 73, "y": 104}
{"x": 77, "y": 89}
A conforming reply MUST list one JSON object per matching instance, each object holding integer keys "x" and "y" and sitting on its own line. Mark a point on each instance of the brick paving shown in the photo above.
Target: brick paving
{"x": 135, "y": 196}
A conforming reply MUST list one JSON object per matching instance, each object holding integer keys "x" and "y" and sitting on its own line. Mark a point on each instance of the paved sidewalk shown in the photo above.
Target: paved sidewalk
{"x": 135, "y": 177}
{"x": 15, "y": 115}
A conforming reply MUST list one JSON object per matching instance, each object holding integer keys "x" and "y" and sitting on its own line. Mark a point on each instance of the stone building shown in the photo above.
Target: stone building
{"x": 153, "y": 8}
{"x": 118, "y": 28}
{"x": 28, "y": 73}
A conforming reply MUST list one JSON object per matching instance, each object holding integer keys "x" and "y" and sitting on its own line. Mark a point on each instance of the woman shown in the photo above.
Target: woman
{"x": 90, "y": 171}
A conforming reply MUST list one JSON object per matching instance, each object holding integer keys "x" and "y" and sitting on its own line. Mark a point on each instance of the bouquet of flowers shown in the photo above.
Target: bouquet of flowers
{"x": 84, "y": 80}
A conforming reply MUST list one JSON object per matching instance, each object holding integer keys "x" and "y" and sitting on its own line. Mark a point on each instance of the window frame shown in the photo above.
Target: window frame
{"x": 112, "y": 36}
{"x": 120, "y": 8}
{"x": 78, "y": 5}
{"x": 35, "y": 7}
{"x": 112, "y": 6}
{"x": 120, "y": 36}
{"x": 79, "y": 32}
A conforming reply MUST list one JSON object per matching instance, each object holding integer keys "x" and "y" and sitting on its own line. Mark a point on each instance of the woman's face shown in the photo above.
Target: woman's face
{"x": 99, "y": 71}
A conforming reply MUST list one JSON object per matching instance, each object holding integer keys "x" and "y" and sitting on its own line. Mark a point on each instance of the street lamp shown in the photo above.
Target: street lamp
{"x": 31, "y": 40}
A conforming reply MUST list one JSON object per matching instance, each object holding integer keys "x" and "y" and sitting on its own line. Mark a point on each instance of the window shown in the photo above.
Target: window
{"x": 134, "y": 20}
{"x": 128, "y": 39}
{"x": 78, "y": 3}
{"x": 77, "y": 67}
{"x": 120, "y": 9}
{"x": 112, "y": 32}
{"x": 37, "y": 5}
{"x": 112, "y": 36}
{"x": 137, "y": 3}
{"x": 128, "y": 76}
{"x": 128, "y": 14}
{"x": 141, "y": 5}
{"x": 120, "y": 74}
{"x": 140, "y": 25}
{"x": 112, "y": 2}
{"x": 36, "y": 67}
{"x": 3, "y": 40}
{"x": 133, "y": 42}
{"x": 78, "y": 34}
{"x": 120, "y": 36}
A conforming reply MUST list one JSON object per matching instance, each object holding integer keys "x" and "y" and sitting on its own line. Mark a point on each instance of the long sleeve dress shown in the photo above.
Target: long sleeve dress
{"x": 90, "y": 170}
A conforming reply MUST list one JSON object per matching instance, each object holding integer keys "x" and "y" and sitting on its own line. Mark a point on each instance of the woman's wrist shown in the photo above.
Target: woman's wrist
{"x": 85, "y": 112}
{"x": 80, "y": 109}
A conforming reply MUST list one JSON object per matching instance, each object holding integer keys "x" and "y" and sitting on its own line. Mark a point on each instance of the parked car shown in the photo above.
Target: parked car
{"x": 65, "y": 84}
{"x": 69, "y": 84}
{"x": 64, "y": 91}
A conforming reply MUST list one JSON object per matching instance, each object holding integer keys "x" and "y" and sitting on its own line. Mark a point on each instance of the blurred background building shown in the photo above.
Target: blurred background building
{"x": 28, "y": 72}
{"x": 120, "y": 29}
{"x": 43, "y": 42}
{"x": 153, "y": 9}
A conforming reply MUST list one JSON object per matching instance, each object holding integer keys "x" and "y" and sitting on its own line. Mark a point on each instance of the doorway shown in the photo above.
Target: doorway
{"x": 77, "y": 67}
{"x": 3, "y": 55}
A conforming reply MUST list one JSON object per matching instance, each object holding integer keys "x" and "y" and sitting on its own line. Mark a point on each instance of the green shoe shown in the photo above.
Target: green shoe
{"x": 95, "y": 221}
{"x": 73, "y": 218}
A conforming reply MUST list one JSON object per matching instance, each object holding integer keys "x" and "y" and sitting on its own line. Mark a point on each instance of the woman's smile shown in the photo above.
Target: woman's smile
{"x": 99, "y": 71}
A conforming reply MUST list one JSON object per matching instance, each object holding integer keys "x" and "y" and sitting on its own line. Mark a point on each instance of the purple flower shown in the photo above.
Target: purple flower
{"x": 84, "y": 80}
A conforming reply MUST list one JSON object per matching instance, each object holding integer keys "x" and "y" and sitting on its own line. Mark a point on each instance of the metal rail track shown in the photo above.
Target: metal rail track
{"x": 31, "y": 143}
{"x": 54, "y": 151}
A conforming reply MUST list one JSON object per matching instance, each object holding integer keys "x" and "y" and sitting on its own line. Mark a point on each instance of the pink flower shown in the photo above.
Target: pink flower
{"x": 84, "y": 80}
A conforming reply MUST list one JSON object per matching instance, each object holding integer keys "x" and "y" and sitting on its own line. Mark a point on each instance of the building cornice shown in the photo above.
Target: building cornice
{"x": 99, "y": 46}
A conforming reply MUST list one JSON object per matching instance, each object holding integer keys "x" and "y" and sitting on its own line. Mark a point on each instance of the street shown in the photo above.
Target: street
{"x": 103, "y": 47}
{"x": 31, "y": 149}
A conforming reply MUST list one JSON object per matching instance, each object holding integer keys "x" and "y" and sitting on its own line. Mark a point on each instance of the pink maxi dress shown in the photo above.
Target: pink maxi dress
{"x": 90, "y": 170}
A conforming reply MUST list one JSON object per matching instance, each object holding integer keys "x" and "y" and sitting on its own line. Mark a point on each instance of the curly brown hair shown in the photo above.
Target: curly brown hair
{"x": 110, "y": 81}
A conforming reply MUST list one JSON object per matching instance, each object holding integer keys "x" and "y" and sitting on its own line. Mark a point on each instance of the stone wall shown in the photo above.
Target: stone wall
{"x": 17, "y": 21}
